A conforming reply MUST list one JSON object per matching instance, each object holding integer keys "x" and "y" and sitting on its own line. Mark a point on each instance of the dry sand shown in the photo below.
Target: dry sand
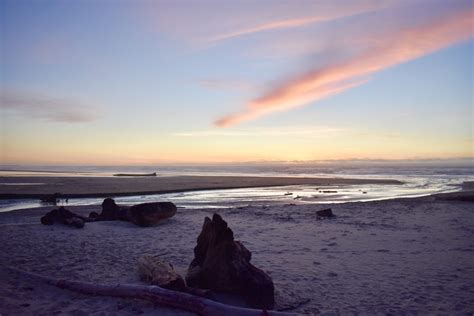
{"x": 115, "y": 186}
{"x": 405, "y": 256}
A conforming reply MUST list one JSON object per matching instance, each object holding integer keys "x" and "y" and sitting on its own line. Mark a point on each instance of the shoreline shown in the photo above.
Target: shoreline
{"x": 96, "y": 187}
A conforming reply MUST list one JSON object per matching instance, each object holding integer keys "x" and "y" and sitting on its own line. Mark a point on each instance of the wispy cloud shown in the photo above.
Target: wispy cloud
{"x": 275, "y": 25}
{"x": 196, "y": 22}
{"x": 392, "y": 48}
{"x": 325, "y": 15}
{"x": 47, "y": 108}
{"x": 266, "y": 131}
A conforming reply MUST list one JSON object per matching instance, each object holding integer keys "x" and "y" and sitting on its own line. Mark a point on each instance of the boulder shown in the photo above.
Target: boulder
{"x": 325, "y": 213}
{"x": 151, "y": 214}
{"x": 222, "y": 264}
{"x": 63, "y": 216}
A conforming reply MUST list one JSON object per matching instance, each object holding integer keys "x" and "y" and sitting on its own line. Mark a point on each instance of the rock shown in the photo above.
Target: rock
{"x": 63, "y": 216}
{"x": 222, "y": 264}
{"x": 151, "y": 214}
{"x": 325, "y": 213}
{"x": 158, "y": 272}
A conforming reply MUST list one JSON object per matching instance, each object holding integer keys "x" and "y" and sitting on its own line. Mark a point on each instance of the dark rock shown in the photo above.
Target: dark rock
{"x": 151, "y": 214}
{"x": 63, "y": 216}
{"x": 325, "y": 213}
{"x": 222, "y": 264}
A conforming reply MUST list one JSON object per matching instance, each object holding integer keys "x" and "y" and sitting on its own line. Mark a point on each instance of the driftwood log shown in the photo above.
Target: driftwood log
{"x": 144, "y": 215}
{"x": 151, "y": 214}
{"x": 223, "y": 265}
{"x": 63, "y": 216}
{"x": 155, "y": 294}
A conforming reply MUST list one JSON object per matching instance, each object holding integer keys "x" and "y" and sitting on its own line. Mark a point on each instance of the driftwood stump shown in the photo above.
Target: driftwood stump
{"x": 110, "y": 212}
{"x": 222, "y": 264}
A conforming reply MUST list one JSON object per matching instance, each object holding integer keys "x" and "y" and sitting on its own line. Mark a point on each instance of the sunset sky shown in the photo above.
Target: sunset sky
{"x": 144, "y": 82}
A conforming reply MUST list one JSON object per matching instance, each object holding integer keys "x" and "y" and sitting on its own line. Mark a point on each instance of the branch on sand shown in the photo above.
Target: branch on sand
{"x": 155, "y": 294}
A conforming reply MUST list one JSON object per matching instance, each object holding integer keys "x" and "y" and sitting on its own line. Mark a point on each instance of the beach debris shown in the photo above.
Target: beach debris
{"x": 155, "y": 294}
{"x": 110, "y": 211}
{"x": 135, "y": 174}
{"x": 159, "y": 272}
{"x": 51, "y": 198}
{"x": 63, "y": 216}
{"x": 156, "y": 271}
{"x": 325, "y": 213}
{"x": 93, "y": 215}
{"x": 328, "y": 191}
{"x": 151, "y": 214}
{"x": 144, "y": 214}
{"x": 223, "y": 264}
{"x": 288, "y": 193}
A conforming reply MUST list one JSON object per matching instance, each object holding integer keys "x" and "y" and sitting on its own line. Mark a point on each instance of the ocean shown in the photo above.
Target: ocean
{"x": 419, "y": 179}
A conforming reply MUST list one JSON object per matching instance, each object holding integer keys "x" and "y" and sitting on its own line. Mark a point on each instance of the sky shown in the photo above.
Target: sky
{"x": 148, "y": 82}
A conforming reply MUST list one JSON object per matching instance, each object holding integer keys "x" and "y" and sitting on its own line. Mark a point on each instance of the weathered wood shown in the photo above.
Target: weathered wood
{"x": 151, "y": 214}
{"x": 155, "y": 294}
{"x": 158, "y": 272}
{"x": 222, "y": 264}
{"x": 144, "y": 214}
{"x": 110, "y": 212}
{"x": 63, "y": 216}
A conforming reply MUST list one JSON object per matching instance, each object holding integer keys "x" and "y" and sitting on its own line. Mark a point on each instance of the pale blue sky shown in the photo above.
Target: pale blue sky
{"x": 97, "y": 77}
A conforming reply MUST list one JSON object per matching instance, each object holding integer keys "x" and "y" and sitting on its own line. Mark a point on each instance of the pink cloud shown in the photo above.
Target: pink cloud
{"x": 390, "y": 49}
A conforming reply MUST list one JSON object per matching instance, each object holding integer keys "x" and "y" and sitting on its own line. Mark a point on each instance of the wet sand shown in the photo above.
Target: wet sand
{"x": 37, "y": 187}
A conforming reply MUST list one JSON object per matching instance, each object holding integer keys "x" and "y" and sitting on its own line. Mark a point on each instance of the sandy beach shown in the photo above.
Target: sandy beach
{"x": 404, "y": 256}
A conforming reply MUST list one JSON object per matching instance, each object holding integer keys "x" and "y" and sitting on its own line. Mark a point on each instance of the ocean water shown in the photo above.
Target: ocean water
{"x": 418, "y": 179}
